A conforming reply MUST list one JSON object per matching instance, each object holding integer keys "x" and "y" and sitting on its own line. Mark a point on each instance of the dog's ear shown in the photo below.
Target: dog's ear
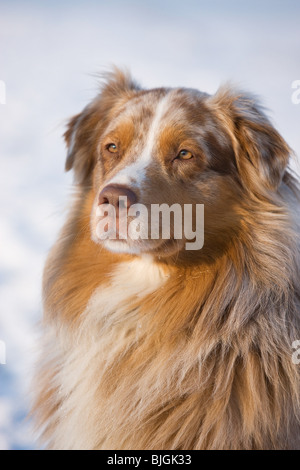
{"x": 261, "y": 153}
{"x": 84, "y": 129}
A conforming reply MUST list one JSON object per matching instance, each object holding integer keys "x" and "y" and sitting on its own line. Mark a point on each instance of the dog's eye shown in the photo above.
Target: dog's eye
{"x": 185, "y": 155}
{"x": 112, "y": 148}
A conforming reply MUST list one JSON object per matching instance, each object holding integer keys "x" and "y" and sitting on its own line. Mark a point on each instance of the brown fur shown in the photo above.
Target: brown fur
{"x": 211, "y": 366}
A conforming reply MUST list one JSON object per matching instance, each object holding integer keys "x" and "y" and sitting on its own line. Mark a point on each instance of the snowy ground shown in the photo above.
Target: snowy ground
{"x": 48, "y": 51}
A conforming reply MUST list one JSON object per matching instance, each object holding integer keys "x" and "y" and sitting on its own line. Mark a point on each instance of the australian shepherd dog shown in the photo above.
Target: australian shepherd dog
{"x": 173, "y": 342}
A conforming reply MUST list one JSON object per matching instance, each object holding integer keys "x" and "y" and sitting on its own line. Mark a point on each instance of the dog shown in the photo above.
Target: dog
{"x": 148, "y": 344}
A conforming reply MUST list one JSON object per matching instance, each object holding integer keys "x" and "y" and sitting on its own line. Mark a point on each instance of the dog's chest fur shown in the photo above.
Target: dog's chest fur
{"x": 110, "y": 327}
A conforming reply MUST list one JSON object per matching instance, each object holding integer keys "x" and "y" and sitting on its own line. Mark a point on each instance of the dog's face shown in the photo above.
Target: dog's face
{"x": 162, "y": 147}
{"x": 138, "y": 150}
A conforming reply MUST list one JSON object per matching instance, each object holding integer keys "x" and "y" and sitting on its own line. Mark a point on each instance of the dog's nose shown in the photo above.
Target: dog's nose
{"x": 111, "y": 194}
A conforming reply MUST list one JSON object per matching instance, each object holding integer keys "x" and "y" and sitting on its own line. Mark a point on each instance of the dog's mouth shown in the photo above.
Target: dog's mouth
{"x": 159, "y": 248}
{"x": 124, "y": 234}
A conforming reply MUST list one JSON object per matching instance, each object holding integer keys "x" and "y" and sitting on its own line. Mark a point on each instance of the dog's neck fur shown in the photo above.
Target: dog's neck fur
{"x": 206, "y": 347}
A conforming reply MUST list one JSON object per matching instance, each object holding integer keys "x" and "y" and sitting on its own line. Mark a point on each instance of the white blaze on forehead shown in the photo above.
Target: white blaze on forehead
{"x": 135, "y": 172}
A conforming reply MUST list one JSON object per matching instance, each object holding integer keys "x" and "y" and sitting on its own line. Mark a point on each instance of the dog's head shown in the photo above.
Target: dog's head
{"x": 155, "y": 157}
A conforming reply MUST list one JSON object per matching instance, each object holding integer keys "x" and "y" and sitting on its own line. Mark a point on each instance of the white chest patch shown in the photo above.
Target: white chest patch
{"x": 136, "y": 278}
{"x": 109, "y": 326}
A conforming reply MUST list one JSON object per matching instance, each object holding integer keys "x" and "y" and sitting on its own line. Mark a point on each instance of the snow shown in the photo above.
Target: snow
{"x": 48, "y": 53}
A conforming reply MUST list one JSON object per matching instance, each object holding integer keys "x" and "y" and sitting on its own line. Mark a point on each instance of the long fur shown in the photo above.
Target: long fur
{"x": 158, "y": 354}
